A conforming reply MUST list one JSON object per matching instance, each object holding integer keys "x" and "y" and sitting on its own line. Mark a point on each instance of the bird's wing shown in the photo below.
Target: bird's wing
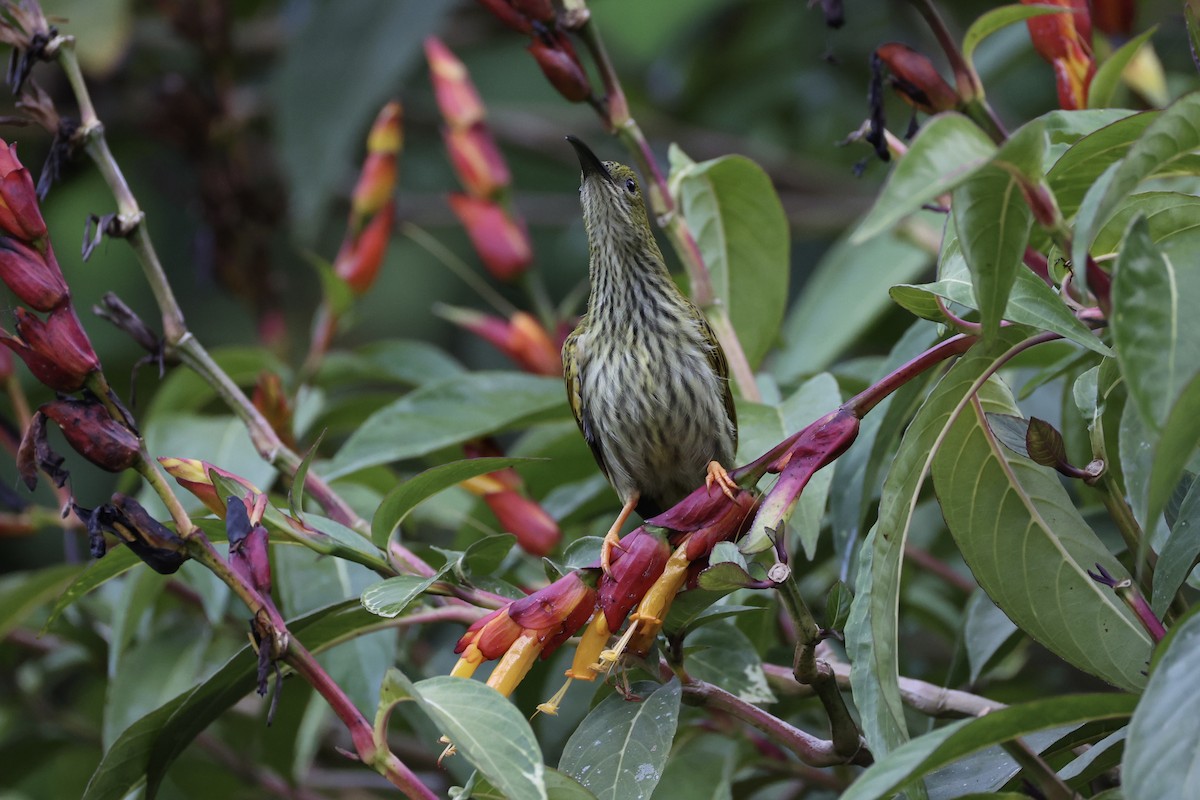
{"x": 720, "y": 365}
{"x": 572, "y": 357}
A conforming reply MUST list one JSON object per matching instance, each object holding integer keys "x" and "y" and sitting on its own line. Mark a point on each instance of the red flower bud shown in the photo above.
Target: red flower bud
{"x": 377, "y": 181}
{"x": 456, "y": 95}
{"x": 1114, "y": 17}
{"x": 522, "y": 338}
{"x": 94, "y": 434}
{"x": 360, "y": 258}
{"x": 56, "y": 351}
{"x": 193, "y": 475}
{"x": 19, "y": 214}
{"x": 500, "y": 241}
{"x": 561, "y": 67}
{"x": 1065, "y": 40}
{"x": 504, "y": 11}
{"x": 536, "y": 531}
{"x": 34, "y": 277}
{"x": 476, "y": 160}
{"x": 636, "y": 565}
{"x": 916, "y": 80}
{"x": 272, "y": 402}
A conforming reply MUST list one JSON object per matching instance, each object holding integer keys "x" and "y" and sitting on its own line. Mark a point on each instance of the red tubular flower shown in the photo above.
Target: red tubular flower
{"x": 500, "y": 240}
{"x": 33, "y": 276}
{"x": 456, "y": 94}
{"x": 561, "y": 66}
{"x": 361, "y": 256}
{"x": 19, "y": 214}
{"x": 524, "y": 629}
{"x": 477, "y": 160}
{"x": 94, "y": 434}
{"x": 377, "y": 181}
{"x": 193, "y": 474}
{"x": 636, "y": 565}
{"x": 536, "y": 531}
{"x": 916, "y": 80}
{"x": 57, "y": 351}
{"x": 522, "y": 338}
{"x": 1065, "y": 40}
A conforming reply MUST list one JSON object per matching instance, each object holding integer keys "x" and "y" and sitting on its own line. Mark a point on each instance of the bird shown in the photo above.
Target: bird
{"x": 646, "y": 378}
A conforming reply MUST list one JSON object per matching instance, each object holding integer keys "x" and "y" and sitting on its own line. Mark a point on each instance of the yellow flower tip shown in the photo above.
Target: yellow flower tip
{"x": 551, "y": 706}
{"x": 385, "y": 135}
{"x": 481, "y": 485}
{"x": 515, "y": 663}
{"x": 449, "y": 751}
{"x": 187, "y": 469}
{"x": 468, "y": 663}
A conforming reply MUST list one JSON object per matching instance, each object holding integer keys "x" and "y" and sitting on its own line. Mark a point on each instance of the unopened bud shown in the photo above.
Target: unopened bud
{"x": 33, "y": 276}
{"x": 193, "y": 474}
{"x": 477, "y": 160}
{"x": 501, "y": 242}
{"x": 94, "y": 434}
{"x": 536, "y": 531}
{"x": 272, "y": 402}
{"x": 360, "y": 258}
{"x": 522, "y": 338}
{"x": 19, "y": 213}
{"x": 916, "y": 80}
{"x": 377, "y": 181}
{"x": 456, "y": 94}
{"x": 248, "y": 551}
{"x": 56, "y": 350}
{"x": 561, "y": 67}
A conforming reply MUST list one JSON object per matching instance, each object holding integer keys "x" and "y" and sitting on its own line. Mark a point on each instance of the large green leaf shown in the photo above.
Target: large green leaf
{"x": 1158, "y": 346}
{"x": 724, "y": 656}
{"x": 146, "y": 749}
{"x": 405, "y": 497}
{"x": 948, "y": 744}
{"x": 619, "y": 750}
{"x": 1084, "y": 161}
{"x": 1108, "y": 76}
{"x": 857, "y": 276}
{"x": 1030, "y": 550}
{"x": 22, "y": 593}
{"x": 700, "y": 768}
{"x": 1173, "y": 134}
{"x": 871, "y": 633}
{"x": 1161, "y": 758}
{"x": 993, "y": 222}
{"x": 446, "y": 413}
{"x": 390, "y": 597}
{"x": 737, "y": 219}
{"x": 115, "y": 563}
{"x": 485, "y": 728}
{"x": 1172, "y": 220}
{"x": 947, "y": 151}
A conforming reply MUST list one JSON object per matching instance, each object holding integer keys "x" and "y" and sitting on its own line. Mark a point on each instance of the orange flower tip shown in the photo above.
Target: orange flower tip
{"x": 386, "y": 134}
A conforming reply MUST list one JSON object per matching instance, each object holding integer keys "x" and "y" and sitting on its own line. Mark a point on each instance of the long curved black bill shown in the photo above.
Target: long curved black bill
{"x": 588, "y": 162}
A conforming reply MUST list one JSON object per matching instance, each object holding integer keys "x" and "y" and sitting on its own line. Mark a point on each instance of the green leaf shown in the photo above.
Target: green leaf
{"x": 487, "y": 729}
{"x": 335, "y": 291}
{"x": 1161, "y": 759}
{"x": 620, "y": 748}
{"x": 146, "y": 749}
{"x": 391, "y": 596}
{"x": 403, "y": 361}
{"x": 1086, "y": 160}
{"x": 1108, "y": 75}
{"x": 1030, "y": 550}
{"x": 724, "y": 656}
{"x": 114, "y": 563}
{"x": 738, "y": 222}
{"x": 993, "y": 222}
{"x": 322, "y": 126}
{"x": 1157, "y": 344}
{"x": 947, "y": 745}
{"x": 871, "y": 633}
{"x": 848, "y": 276}
{"x": 1180, "y": 552}
{"x": 22, "y": 593}
{"x": 449, "y": 412}
{"x": 700, "y": 768}
{"x": 986, "y": 632}
{"x": 296, "y": 490}
{"x": 997, "y": 19}
{"x": 1174, "y": 133}
{"x": 558, "y": 787}
{"x": 947, "y": 151}
{"x": 1170, "y": 220}
{"x": 837, "y": 606}
{"x": 408, "y": 495}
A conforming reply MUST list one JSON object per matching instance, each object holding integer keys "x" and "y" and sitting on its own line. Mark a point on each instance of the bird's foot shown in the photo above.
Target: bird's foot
{"x": 611, "y": 541}
{"x": 718, "y": 475}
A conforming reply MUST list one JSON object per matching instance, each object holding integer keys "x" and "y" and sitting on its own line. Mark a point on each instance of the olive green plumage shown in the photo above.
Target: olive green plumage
{"x": 646, "y": 379}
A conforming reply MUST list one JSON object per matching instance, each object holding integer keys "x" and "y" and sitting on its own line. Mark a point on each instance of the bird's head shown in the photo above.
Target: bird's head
{"x": 611, "y": 198}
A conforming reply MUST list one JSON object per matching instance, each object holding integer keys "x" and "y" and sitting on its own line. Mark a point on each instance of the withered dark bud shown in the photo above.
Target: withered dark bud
{"x": 35, "y": 453}
{"x": 878, "y": 122}
{"x": 62, "y": 147}
{"x": 916, "y": 80}
{"x": 152, "y": 542}
{"x": 36, "y": 104}
{"x": 835, "y": 15}
{"x": 56, "y": 350}
{"x": 248, "y": 552}
{"x": 561, "y": 67}
{"x": 506, "y": 13}
{"x": 24, "y": 28}
{"x": 94, "y": 434}
{"x": 537, "y": 10}
{"x": 113, "y": 309}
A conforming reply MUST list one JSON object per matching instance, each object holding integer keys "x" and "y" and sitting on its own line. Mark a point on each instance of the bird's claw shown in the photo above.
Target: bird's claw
{"x": 718, "y": 475}
{"x": 611, "y": 541}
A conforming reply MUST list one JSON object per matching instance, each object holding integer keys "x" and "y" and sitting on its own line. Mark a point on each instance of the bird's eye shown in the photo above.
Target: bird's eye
{"x": 631, "y": 186}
